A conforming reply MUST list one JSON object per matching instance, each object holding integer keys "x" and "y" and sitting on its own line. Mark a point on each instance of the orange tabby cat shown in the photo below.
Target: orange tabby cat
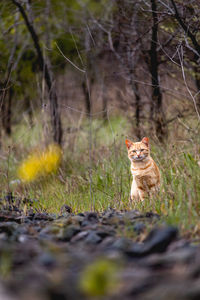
{"x": 146, "y": 175}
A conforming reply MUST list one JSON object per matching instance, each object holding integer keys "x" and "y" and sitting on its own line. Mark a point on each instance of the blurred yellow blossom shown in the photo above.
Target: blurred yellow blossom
{"x": 99, "y": 278}
{"x": 40, "y": 163}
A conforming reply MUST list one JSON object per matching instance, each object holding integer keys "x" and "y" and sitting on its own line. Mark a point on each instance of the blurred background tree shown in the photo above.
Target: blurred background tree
{"x": 116, "y": 44}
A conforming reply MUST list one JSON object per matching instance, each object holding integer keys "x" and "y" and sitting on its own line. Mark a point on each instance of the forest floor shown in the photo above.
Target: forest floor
{"x": 108, "y": 255}
{"x": 75, "y": 235}
{"x": 95, "y": 174}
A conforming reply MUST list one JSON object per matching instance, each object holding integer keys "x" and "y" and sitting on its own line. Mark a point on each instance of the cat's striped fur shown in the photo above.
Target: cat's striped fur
{"x": 145, "y": 172}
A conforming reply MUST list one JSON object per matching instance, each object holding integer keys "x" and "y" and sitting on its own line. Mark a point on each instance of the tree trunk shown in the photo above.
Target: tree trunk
{"x": 5, "y": 108}
{"x": 156, "y": 105}
{"x": 89, "y": 78}
{"x": 6, "y": 113}
{"x": 55, "y": 115}
{"x": 86, "y": 97}
{"x": 135, "y": 88}
{"x": 196, "y": 69}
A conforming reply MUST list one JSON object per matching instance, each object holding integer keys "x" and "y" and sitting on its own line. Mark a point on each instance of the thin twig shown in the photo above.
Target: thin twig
{"x": 75, "y": 66}
{"x": 90, "y": 35}
{"x": 77, "y": 48}
{"x": 184, "y": 78}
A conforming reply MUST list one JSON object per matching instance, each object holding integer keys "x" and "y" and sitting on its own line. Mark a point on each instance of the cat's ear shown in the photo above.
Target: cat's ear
{"x": 145, "y": 141}
{"x": 128, "y": 143}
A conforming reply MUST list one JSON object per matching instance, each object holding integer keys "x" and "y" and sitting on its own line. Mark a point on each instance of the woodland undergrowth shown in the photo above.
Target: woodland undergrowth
{"x": 95, "y": 171}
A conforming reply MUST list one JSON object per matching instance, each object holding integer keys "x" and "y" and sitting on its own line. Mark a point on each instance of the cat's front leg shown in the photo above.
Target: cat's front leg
{"x": 154, "y": 191}
{"x": 134, "y": 191}
{"x": 142, "y": 194}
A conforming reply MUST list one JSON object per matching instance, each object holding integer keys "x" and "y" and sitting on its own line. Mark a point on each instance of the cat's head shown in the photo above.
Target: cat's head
{"x": 139, "y": 151}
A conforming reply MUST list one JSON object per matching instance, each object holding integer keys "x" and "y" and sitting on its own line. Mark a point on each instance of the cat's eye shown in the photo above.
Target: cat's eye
{"x": 142, "y": 149}
{"x": 134, "y": 151}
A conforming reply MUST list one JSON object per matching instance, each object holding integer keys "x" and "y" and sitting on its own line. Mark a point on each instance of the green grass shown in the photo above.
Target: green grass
{"x": 99, "y": 177}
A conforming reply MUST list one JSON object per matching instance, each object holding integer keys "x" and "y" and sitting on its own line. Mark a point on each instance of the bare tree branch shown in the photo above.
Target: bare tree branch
{"x": 189, "y": 91}
{"x": 186, "y": 28}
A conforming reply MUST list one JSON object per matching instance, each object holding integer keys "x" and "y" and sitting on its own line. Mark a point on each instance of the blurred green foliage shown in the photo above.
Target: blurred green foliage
{"x": 62, "y": 22}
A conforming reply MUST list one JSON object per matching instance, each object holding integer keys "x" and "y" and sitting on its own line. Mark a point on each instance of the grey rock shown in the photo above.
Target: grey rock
{"x": 68, "y": 232}
{"x": 79, "y": 236}
{"x": 66, "y": 209}
{"x": 93, "y": 238}
{"x": 81, "y": 214}
{"x": 85, "y": 223}
{"x": 46, "y": 259}
{"x": 132, "y": 214}
{"x": 156, "y": 242}
{"x": 43, "y": 216}
{"x": 8, "y": 227}
{"x": 92, "y": 217}
{"x": 121, "y": 244}
{"x": 77, "y": 219}
{"x": 23, "y": 238}
{"x": 105, "y": 233}
{"x": 107, "y": 243}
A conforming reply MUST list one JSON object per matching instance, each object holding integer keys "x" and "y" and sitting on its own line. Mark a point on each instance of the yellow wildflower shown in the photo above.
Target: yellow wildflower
{"x": 40, "y": 163}
{"x": 99, "y": 278}
{"x": 51, "y": 158}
